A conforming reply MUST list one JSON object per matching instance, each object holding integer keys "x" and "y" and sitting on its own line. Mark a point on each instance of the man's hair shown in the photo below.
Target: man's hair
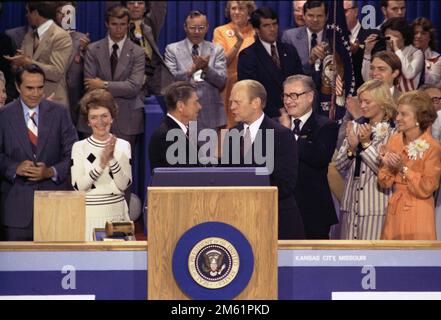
{"x": 178, "y": 91}
{"x": 428, "y": 86}
{"x": 265, "y": 13}
{"x": 391, "y": 59}
{"x": 46, "y": 9}
{"x": 307, "y": 81}
{"x": 311, "y": 4}
{"x": 117, "y": 11}
{"x": 399, "y": 24}
{"x": 254, "y": 90}
{"x": 29, "y": 68}
{"x": 194, "y": 14}
{"x": 65, "y": 3}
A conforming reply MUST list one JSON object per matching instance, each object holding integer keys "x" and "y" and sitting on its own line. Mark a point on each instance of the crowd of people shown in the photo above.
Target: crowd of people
{"x": 368, "y": 170}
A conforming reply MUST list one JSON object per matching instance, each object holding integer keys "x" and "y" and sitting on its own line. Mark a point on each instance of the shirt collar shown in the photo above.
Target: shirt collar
{"x": 303, "y": 119}
{"x": 355, "y": 31}
{"x": 119, "y": 43}
{"x": 44, "y": 27}
{"x": 267, "y": 45}
{"x": 181, "y": 125}
{"x": 319, "y": 35}
{"x": 26, "y": 109}
{"x": 254, "y": 127}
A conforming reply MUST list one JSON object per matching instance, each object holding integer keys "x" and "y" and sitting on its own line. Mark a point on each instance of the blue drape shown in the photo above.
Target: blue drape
{"x": 90, "y": 16}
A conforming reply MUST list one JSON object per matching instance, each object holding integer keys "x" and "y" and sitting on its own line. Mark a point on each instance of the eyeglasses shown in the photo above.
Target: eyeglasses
{"x": 293, "y": 96}
{"x": 436, "y": 100}
{"x": 197, "y": 28}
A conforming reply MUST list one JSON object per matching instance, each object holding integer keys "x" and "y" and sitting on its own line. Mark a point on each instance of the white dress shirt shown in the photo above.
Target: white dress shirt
{"x": 319, "y": 37}
{"x": 181, "y": 125}
{"x": 303, "y": 120}
{"x": 433, "y": 67}
{"x": 119, "y": 43}
{"x": 354, "y": 32}
{"x": 267, "y": 46}
{"x": 44, "y": 27}
{"x": 254, "y": 127}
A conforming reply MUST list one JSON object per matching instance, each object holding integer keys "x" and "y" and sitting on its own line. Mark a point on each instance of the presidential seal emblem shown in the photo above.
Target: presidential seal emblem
{"x": 213, "y": 263}
{"x": 213, "y": 260}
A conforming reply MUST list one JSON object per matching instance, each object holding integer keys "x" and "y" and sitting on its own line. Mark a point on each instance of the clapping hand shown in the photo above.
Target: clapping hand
{"x": 364, "y": 133}
{"x": 107, "y": 153}
{"x": 351, "y": 136}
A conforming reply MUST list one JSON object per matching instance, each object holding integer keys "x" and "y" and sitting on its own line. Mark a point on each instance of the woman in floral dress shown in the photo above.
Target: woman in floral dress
{"x": 364, "y": 203}
{"x": 411, "y": 163}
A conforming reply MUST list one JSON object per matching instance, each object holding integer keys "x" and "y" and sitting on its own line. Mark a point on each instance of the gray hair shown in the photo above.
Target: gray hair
{"x": 2, "y": 77}
{"x": 307, "y": 81}
{"x": 428, "y": 86}
{"x": 254, "y": 90}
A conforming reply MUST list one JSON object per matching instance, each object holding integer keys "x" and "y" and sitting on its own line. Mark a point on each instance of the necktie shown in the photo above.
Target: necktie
{"x": 313, "y": 40}
{"x": 194, "y": 50}
{"x": 36, "y": 40}
{"x": 246, "y": 141}
{"x": 274, "y": 56}
{"x": 187, "y": 133}
{"x": 114, "y": 59}
{"x": 296, "y": 129}
{"x": 32, "y": 128}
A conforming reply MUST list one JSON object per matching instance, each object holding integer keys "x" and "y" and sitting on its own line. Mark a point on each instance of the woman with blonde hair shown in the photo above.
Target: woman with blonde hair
{"x": 234, "y": 36}
{"x": 411, "y": 164}
{"x": 363, "y": 206}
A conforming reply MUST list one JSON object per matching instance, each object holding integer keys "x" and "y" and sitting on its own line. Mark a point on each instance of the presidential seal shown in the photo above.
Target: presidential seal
{"x": 213, "y": 263}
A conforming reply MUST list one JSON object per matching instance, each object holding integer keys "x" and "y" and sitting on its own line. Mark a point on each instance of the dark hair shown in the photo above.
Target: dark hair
{"x": 29, "y": 68}
{"x": 391, "y": 59}
{"x": 265, "y": 13}
{"x": 117, "y": 11}
{"x": 311, "y": 4}
{"x": 98, "y": 98}
{"x": 427, "y": 26}
{"x": 384, "y": 3}
{"x": 399, "y": 24}
{"x": 146, "y": 6}
{"x": 64, "y": 3}
{"x": 193, "y": 14}
{"x": 178, "y": 91}
{"x": 422, "y": 106}
{"x": 46, "y": 9}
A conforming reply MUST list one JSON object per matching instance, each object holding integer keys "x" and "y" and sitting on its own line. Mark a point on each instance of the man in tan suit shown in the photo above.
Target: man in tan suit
{"x": 47, "y": 46}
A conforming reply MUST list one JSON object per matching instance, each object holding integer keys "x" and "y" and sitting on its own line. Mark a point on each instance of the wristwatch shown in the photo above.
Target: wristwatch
{"x": 106, "y": 84}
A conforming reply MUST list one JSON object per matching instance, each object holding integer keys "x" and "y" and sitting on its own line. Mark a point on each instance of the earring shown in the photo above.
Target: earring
{"x": 417, "y": 124}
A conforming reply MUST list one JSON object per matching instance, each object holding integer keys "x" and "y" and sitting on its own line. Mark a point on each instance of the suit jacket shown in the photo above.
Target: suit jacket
{"x": 56, "y": 135}
{"x": 158, "y": 145}
{"x": 125, "y": 87}
{"x": 284, "y": 175}
{"x": 316, "y": 145}
{"x": 17, "y": 35}
{"x": 255, "y": 63}
{"x": 52, "y": 55}
{"x": 75, "y": 76}
{"x": 298, "y": 38}
{"x": 179, "y": 60}
{"x": 7, "y": 49}
{"x": 162, "y": 77}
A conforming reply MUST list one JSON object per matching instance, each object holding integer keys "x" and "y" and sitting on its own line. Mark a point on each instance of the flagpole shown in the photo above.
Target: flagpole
{"x": 334, "y": 63}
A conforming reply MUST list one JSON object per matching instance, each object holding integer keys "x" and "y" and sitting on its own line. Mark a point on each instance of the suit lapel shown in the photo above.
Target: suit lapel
{"x": 268, "y": 63}
{"x": 44, "y": 126}
{"x": 303, "y": 51}
{"x": 104, "y": 58}
{"x": 18, "y": 123}
{"x": 149, "y": 36}
{"x": 45, "y": 40}
{"x": 124, "y": 58}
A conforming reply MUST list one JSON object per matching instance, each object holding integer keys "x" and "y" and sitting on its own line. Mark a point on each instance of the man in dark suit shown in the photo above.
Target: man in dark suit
{"x": 36, "y": 138}
{"x": 183, "y": 107}
{"x": 264, "y": 138}
{"x": 144, "y": 30}
{"x": 268, "y": 60}
{"x": 316, "y": 137}
{"x": 117, "y": 64}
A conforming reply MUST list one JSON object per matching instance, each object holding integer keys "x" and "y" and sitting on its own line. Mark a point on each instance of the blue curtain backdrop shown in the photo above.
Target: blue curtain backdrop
{"x": 90, "y": 16}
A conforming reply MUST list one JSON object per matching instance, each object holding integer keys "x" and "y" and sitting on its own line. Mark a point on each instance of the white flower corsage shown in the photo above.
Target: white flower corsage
{"x": 381, "y": 130}
{"x": 230, "y": 33}
{"x": 416, "y": 149}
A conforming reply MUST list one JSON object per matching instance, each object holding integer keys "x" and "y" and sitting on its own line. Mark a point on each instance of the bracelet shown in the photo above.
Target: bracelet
{"x": 403, "y": 171}
{"x": 349, "y": 153}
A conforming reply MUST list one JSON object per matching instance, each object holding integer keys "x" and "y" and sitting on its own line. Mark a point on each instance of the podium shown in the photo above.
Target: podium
{"x": 59, "y": 216}
{"x": 174, "y": 211}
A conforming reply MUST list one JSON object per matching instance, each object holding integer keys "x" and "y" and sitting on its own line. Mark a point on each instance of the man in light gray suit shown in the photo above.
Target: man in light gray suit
{"x": 203, "y": 64}
{"x": 310, "y": 39}
{"x": 117, "y": 64}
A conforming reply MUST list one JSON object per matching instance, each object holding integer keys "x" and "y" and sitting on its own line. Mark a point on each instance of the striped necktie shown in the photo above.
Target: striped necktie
{"x": 32, "y": 128}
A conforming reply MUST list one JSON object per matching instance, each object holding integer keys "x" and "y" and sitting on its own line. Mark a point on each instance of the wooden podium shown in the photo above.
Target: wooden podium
{"x": 174, "y": 210}
{"x": 59, "y": 216}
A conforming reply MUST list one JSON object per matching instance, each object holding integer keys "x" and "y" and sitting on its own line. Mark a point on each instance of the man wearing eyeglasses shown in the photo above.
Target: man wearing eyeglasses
{"x": 316, "y": 138}
{"x": 203, "y": 64}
